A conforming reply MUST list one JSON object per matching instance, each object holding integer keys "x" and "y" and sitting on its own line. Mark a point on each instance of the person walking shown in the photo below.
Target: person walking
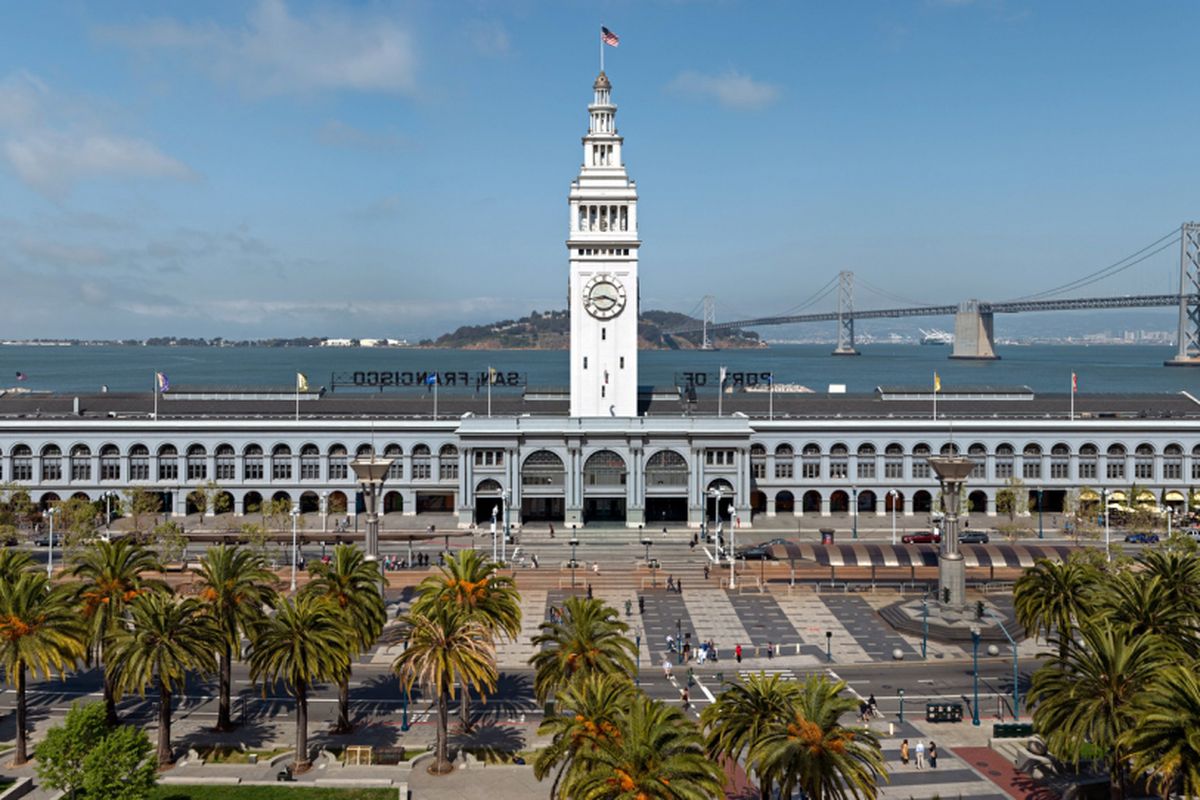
{"x": 667, "y": 668}
{"x": 770, "y": 649}
{"x": 679, "y": 587}
{"x": 706, "y": 572}
{"x": 737, "y": 652}
{"x": 920, "y": 754}
{"x": 551, "y": 530}
{"x": 687, "y": 702}
{"x": 589, "y": 591}
{"x": 932, "y": 755}
{"x": 904, "y": 752}
{"x": 670, "y": 583}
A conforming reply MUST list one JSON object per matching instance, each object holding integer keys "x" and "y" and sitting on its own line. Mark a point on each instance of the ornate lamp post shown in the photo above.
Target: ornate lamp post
{"x": 854, "y": 511}
{"x": 50, "y": 512}
{"x": 371, "y": 472}
{"x": 975, "y": 658}
{"x": 1041, "y": 530}
{"x": 574, "y": 543}
{"x": 295, "y": 526}
{"x": 893, "y": 494}
{"x": 952, "y": 472}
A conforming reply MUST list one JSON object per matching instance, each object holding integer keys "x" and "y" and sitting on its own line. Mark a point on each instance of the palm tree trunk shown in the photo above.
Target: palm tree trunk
{"x": 441, "y": 764}
{"x": 224, "y": 722}
{"x": 164, "y": 725}
{"x": 302, "y": 762}
{"x": 343, "y": 722}
{"x": 110, "y": 701}
{"x": 22, "y": 747}
{"x": 465, "y": 709}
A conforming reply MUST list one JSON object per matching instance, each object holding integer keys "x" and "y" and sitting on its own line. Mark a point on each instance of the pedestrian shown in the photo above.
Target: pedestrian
{"x": 551, "y": 530}
{"x": 770, "y": 649}
{"x": 904, "y": 752}
{"x": 628, "y": 608}
{"x": 920, "y": 754}
{"x": 589, "y": 587}
{"x": 670, "y": 583}
{"x": 679, "y": 587}
{"x": 664, "y": 530}
{"x": 737, "y": 652}
{"x": 535, "y": 560}
{"x": 667, "y": 668}
{"x": 706, "y": 572}
{"x": 932, "y": 755}
{"x": 641, "y": 604}
{"x": 687, "y": 703}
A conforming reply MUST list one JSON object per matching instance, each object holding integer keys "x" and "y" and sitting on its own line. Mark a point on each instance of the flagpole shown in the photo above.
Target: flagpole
{"x": 154, "y": 385}
{"x": 1072, "y": 397}
{"x": 489, "y": 379}
{"x": 602, "y": 48}
{"x": 435, "y": 385}
{"x": 771, "y": 396}
{"x": 935, "y": 394}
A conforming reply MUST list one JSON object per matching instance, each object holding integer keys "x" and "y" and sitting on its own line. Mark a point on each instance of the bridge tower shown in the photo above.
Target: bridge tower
{"x": 973, "y": 337}
{"x": 1189, "y": 297}
{"x": 710, "y": 318}
{"x": 845, "y": 340}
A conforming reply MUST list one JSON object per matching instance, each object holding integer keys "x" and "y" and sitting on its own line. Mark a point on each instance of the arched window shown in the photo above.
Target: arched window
{"x": 810, "y": 461}
{"x": 1031, "y": 462}
{"x": 604, "y": 468}
{"x": 281, "y": 463}
{"x": 1172, "y": 463}
{"x": 139, "y": 463}
{"x": 1004, "y": 461}
{"x": 448, "y": 463}
{"x": 310, "y": 462}
{"x": 1114, "y": 464}
{"x": 168, "y": 463}
{"x": 920, "y": 460}
{"x": 22, "y": 456}
{"x": 1087, "y": 461}
{"x": 758, "y": 462}
{"x": 396, "y": 471}
{"x": 666, "y": 468}
{"x": 253, "y": 465}
{"x": 225, "y": 462}
{"x": 543, "y": 468}
{"x": 839, "y": 460}
{"x": 785, "y": 462}
{"x": 949, "y": 449}
{"x": 197, "y": 463}
{"x": 893, "y": 461}
{"x": 422, "y": 463}
{"x": 1143, "y": 462}
{"x": 866, "y": 461}
{"x": 978, "y": 455}
{"x": 81, "y": 463}
{"x": 1060, "y": 462}
{"x": 339, "y": 463}
{"x": 110, "y": 463}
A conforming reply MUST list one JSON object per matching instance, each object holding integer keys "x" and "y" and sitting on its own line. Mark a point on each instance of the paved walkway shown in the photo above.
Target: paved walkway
{"x": 1000, "y": 771}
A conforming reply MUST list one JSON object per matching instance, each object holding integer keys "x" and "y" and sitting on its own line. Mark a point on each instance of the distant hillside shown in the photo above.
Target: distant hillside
{"x": 551, "y": 330}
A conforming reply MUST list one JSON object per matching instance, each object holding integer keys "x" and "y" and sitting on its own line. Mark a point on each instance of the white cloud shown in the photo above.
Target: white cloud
{"x": 336, "y": 133}
{"x": 51, "y": 143}
{"x": 731, "y": 89}
{"x": 275, "y": 52}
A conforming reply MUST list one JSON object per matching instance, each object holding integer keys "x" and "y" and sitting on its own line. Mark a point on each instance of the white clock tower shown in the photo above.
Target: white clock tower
{"x": 603, "y": 249}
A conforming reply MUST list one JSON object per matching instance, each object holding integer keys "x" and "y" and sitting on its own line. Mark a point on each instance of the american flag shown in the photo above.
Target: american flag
{"x": 21, "y": 376}
{"x": 609, "y": 37}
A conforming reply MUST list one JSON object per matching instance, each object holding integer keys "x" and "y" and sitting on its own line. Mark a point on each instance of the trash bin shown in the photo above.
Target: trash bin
{"x": 826, "y": 535}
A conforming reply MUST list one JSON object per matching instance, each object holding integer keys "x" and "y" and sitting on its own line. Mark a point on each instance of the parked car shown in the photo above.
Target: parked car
{"x": 759, "y": 552}
{"x": 922, "y": 537}
{"x": 1142, "y": 538}
{"x": 973, "y": 537}
{"x": 41, "y": 540}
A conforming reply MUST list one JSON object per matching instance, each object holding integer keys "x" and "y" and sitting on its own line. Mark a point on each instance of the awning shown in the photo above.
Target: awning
{"x": 1017, "y": 556}
{"x": 1088, "y": 496}
{"x": 1145, "y": 496}
{"x": 1117, "y": 497}
{"x": 1173, "y": 497}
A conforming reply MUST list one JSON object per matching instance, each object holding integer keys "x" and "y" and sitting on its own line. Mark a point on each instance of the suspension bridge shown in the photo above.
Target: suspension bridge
{"x": 974, "y": 319}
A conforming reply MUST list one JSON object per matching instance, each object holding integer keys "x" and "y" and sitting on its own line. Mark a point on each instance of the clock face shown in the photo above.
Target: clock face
{"x": 604, "y": 297}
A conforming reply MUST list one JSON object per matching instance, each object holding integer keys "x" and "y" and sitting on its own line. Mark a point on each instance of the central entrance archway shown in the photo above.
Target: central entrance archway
{"x": 604, "y": 476}
{"x": 543, "y": 487}
{"x": 725, "y": 489}
{"x": 666, "y": 488}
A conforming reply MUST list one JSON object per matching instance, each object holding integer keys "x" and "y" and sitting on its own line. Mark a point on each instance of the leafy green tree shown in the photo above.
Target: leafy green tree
{"x": 140, "y": 504}
{"x": 587, "y": 715}
{"x": 1165, "y": 742}
{"x": 590, "y": 639}
{"x": 1049, "y": 598}
{"x": 257, "y": 538}
{"x": 446, "y": 648}
{"x": 169, "y": 541}
{"x": 111, "y": 574}
{"x": 814, "y": 752}
{"x": 658, "y": 754}
{"x": 277, "y": 515}
{"x": 741, "y": 716}
{"x": 1089, "y": 696}
{"x": 120, "y": 768}
{"x": 1013, "y": 502}
{"x": 165, "y": 639}
{"x": 235, "y": 585}
{"x": 62, "y": 753}
{"x": 354, "y": 586}
{"x": 40, "y": 632}
{"x": 75, "y": 523}
{"x": 475, "y": 585}
{"x": 302, "y": 644}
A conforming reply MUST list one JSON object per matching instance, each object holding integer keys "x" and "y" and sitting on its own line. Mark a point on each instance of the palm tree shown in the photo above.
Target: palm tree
{"x": 1089, "y": 696}
{"x": 474, "y": 584}
{"x": 590, "y": 639}
{"x": 1049, "y": 598}
{"x": 1138, "y": 602}
{"x": 303, "y": 643}
{"x": 588, "y": 715}
{"x": 1165, "y": 743}
{"x": 165, "y": 639}
{"x": 742, "y": 714}
{"x": 13, "y": 563}
{"x": 354, "y": 586}
{"x": 1179, "y": 570}
{"x": 657, "y": 754}
{"x": 446, "y": 648}
{"x": 235, "y": 585}
{"x": 812, "y": 751}
{"x": 111, "y": 575}
{"x": 40, "y": 631}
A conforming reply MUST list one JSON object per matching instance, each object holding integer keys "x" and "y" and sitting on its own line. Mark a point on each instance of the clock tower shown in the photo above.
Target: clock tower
{"x": 603, "y": 251}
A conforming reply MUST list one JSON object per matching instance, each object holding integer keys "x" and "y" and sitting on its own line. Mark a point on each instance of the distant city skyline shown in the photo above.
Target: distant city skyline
{"x": 398, "y": 169}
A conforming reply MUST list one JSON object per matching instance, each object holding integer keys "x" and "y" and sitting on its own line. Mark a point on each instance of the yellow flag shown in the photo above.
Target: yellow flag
{"x": 937, "y": 383}
{"x": 491, "y": 375}
{"x": 301, "y": 382}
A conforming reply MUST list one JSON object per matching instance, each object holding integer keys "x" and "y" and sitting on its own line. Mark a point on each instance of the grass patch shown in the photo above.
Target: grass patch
{"x": 233, "y": 755}
{"x": 282, "y": 792}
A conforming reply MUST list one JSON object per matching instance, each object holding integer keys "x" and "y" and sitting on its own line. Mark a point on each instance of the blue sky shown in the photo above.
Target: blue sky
{"x": 275, "y": 168}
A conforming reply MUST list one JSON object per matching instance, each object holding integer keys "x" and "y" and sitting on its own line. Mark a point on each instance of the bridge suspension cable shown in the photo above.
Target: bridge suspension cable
{"x": 888, "y": 295}
{"x": 1117, "y": 267}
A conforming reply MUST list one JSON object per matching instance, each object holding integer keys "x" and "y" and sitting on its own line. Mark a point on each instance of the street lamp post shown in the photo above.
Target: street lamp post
{"x": 404, "y": 712}
{"x": 975, "y": 659}
{"x": 679, "y": 639}
{"x": 108, "y": 510}
{"x": 505, "y": 504}
{"x": 371, "y": 472}
{"x": 924, "y": 624}
{"x": 637, "y": 672}
{"x": 295, "y": 529}
{"x": 50, "y": 512}
{"x": 1107, "y": 532}
{"x": 1016, "y": 667}
{"x": 1170, "y": 513}
{"x": 1041, "y": 530}
{"x": 495, "y": 548}
{"x": 893, "y": 494}
{"x": 854, "y": 511}
{"x": 829, "y": 646}
{"x": 901, "y": 693}
{"x": 574, "y": 543}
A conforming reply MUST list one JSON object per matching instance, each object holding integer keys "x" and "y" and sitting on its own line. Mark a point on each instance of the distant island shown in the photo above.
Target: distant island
{"x": 551, "y": 330}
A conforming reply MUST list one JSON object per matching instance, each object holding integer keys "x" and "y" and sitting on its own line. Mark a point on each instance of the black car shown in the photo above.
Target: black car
{"x": 973, "y": 537}
{"x": 41, "y": 540}
{"x": 759, "y": 552}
